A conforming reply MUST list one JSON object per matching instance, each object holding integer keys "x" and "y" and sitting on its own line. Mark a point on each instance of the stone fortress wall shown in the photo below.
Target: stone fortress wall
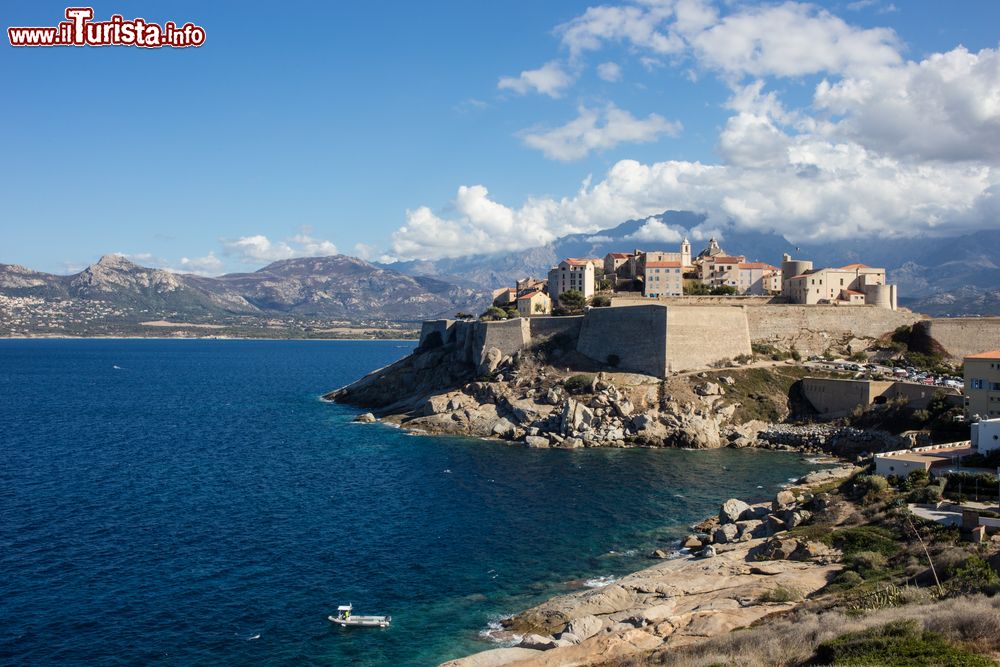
{"x": 961, "y": 336}
{"x": 658, "y": 339}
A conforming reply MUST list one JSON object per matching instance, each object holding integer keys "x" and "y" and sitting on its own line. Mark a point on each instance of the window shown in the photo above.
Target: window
{"x": 977, "y": 383}
{"x": 994, "y": 386}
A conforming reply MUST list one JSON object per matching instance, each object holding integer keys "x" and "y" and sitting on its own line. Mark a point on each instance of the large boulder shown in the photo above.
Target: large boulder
{"x": 709, "y": 389}
{"x": 783, "y": 500}
{"x": 366, "y": 418}
{"x": 504, "y": 428}
{"x": 584, "y": 627}
{"x": 732, "y": 510}
{"x": 491, "y": 360}
{"x": 538, "y": 642}
{"x": 536, "y": 441}
{"x": 725, "y": 533}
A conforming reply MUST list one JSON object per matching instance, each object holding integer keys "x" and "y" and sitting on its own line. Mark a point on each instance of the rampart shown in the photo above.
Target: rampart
{"x": 636, "y": 335}
{"x": 958, "y": 337}
{"x": 699, "y": 336}
{"x": 814, "y": 328}
{"x": 658, "y": 339}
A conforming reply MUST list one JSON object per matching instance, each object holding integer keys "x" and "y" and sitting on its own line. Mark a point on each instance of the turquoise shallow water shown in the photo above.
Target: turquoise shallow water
{"x": 162, "y": 502}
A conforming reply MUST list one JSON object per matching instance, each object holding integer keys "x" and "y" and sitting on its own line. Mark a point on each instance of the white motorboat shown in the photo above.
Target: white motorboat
{"x": 345, "y": 617}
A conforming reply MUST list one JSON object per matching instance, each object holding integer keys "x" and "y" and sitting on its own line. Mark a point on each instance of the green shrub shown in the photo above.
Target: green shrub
{"x": 572, "y": 301}
{"x": 743, "y": 359}
{"x": 579, "y": 384}
{"x": 600, "y": 301}
{"x": 780, "y": 594}
{"x": 860, "y": 539}
{"x": 847, "y": 579}
{"x": 494, "y": 313}
{"x": 866, "y": 562}
{"x": 895, "y": 644}
{"x": 871, "y": 487}
{"x": 974, "y": 576}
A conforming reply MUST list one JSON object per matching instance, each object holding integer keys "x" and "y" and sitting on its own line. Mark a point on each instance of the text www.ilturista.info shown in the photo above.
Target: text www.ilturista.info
{"x": 80, "y": 30}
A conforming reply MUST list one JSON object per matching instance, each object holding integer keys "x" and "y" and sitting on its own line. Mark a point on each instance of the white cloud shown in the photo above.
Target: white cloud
{"x": 633, "y": 25}
{"x": 599, "y": 239}
{"x": 585, "y": 133}
{"x": 207, "y": 265}
{"x": 822, "y": 190}
{"x": 655, "y": 231}
{"x": 549, "y": 79}
{"x": 945, "y": 107}
{"x": 609, "y": 71}
{"x": 887, "y": 147}
{"x": 790, "y": 39}
{"x": 259, "y": 248}
{"x": 313, "y": 247}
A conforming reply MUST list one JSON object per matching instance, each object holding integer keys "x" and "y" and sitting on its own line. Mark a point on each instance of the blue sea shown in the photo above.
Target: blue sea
{"x": 193, "y": 502}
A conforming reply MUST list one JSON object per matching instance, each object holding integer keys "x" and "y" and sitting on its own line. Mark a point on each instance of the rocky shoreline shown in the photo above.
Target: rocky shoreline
{"x": 532, "y": 400}
{"x": 744, "y": 567}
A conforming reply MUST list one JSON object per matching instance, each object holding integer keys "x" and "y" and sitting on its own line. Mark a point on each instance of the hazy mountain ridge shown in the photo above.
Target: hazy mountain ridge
{"x": 948, "y": 275}
{"x": 332, "y": 287}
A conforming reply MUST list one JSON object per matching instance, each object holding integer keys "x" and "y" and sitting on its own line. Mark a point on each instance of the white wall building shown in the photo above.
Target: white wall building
{"x": 986, "y": 435}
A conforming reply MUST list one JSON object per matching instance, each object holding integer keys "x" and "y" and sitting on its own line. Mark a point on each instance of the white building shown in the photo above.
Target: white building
{"x": 572, "y": 274}
{"x": 663, "y": 279}
{"x": 986, "y": 435}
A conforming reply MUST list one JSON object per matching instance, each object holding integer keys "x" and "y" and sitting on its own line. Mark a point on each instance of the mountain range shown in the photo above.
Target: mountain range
{"x": 941, "y": 276}
{"x": 338, "y": 287}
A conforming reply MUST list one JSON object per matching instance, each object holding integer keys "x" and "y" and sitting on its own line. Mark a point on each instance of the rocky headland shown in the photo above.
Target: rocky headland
{"x": 549, "y": 396}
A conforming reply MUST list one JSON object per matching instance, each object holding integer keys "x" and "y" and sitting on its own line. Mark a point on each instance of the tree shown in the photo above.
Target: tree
{"x": 696, "y": 289}
{"x": 723, "y": 290}
{"x": 600, "y": 301}
{"x": 462, "y": 316}
{"x": 493, "y": 313}
{"x": 572, "y": 301}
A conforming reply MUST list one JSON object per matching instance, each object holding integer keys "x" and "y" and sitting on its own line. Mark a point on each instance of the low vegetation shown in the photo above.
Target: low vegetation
{"x": 911, "y": 592}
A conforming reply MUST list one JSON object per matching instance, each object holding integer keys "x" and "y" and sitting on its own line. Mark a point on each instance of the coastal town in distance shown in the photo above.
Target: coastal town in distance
{"x": 581, "y": 333}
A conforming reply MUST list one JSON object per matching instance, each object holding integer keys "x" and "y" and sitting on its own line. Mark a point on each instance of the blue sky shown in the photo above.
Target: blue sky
{"x": 403, "y": 129}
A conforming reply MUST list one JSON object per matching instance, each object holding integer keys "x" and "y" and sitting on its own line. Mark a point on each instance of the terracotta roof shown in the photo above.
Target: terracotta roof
{"x": 851, "y": 291}
{"x": 757, "y": 265}
{"x": 528, "y": 296}
{"x": 619, "y": 255}
{"x": 573, "y": 261}
{"x": 663, "y": 265}
{"x": 995, "y": 354}
{"x": 855, "y": 266}
{"x": 727, "y": 259}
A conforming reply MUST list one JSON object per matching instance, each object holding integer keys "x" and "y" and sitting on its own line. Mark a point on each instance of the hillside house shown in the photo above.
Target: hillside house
{"x": 982, "y": 384}
{"x": 851, "y": 285}
{"x": 572, "y": 274}
{"x": 534, "y": 303}
{"x": 663, "y": 279}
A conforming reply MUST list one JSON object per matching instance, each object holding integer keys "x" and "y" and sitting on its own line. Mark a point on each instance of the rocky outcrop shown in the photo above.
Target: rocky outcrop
{"x": 731, "y": 583}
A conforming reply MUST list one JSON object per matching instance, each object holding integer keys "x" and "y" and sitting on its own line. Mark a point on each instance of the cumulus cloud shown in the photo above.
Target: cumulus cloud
{"x": 597, "y": 129}
{"x": 259, "y": 248}
{"x": 655, "y": 231}
{"x": 885, "y": 148}
{"x": 207, "y": 265}
{"x": 790, "y": 39}
{"x": 945, "y": 107}
{"x": 550, "y": 79}
{"x": 609, "y": 71}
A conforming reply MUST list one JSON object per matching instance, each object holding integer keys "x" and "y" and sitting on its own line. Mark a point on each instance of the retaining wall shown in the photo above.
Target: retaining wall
{"x": 637, "y": 335}
{"x": 961, "y": 336}
{"x": 813, "y": 328}
{"x": 699, "y": 336}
